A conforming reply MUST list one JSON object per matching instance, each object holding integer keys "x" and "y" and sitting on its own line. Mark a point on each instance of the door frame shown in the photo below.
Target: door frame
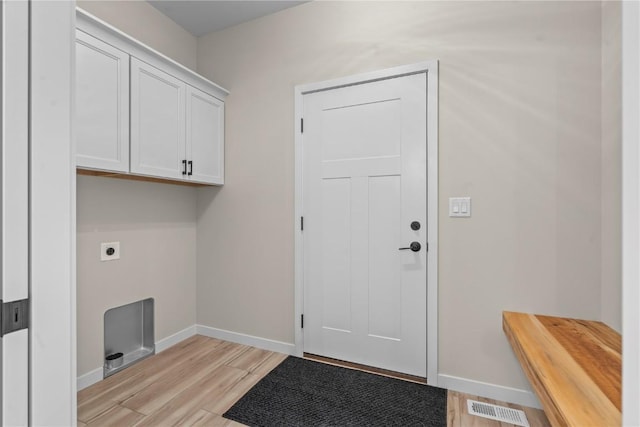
{"x": 52, "y": 192}
{"x": 431, "y": 70}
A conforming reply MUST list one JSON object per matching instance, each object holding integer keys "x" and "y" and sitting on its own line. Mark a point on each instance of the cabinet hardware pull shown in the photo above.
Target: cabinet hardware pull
{"x": 190, "y": 168}
{"x": 184, "y": 167}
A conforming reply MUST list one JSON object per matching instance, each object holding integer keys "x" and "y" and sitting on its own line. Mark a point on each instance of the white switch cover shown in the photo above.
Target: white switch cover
{"x": 109, "y": 251}
{"x": 459, "y": 206}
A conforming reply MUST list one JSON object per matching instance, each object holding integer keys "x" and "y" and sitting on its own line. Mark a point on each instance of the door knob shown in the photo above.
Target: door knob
{"x": 414, "y": 246}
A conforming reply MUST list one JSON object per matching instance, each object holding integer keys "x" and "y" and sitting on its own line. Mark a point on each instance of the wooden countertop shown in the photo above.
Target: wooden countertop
{"x": 573, "y": 365}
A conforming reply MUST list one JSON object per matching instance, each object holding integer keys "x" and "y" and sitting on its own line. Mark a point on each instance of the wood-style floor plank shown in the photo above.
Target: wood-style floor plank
{"x": 202, "y": 418}
{"x": 127, "y": 383}
{"x": 181, "y": 377}
{"x": 251, "y": 359}
{"x": 117, "y": 416}
{"x": 187, "y": 403}
{"x": 228, "y": 399}
{"x": 196, "y": 381}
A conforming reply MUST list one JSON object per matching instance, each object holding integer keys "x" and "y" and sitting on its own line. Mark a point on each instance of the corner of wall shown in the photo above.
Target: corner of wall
{"x": 610, "y": 164}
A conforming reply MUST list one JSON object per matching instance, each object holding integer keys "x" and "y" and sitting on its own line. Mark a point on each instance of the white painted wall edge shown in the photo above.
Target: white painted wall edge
{"x": 630, "y": 214}
{"x": 491, "y": 391}
{"x": 92, "y": 377}
{"x": 236, "y": 337}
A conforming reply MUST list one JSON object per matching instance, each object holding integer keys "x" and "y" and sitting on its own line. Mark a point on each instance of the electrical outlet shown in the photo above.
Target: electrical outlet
{"x": 109, "y": 251}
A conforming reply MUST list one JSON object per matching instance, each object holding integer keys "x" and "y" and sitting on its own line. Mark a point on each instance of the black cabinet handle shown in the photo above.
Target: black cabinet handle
{"x": 184, "y": 167}
{"x": 190, "y": 168}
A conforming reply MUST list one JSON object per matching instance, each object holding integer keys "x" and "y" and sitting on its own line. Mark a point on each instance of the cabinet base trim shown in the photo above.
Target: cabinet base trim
{"x": 89, "y": 172}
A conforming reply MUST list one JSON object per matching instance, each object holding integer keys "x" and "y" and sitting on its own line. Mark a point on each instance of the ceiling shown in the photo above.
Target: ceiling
{"x": 203, "y": 17}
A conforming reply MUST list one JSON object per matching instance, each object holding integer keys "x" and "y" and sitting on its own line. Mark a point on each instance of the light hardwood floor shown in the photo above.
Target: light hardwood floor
{"x": 194, "y": 382}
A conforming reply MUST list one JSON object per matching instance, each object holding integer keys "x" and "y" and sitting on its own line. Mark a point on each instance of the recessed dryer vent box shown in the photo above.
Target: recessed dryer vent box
{"x": 128, "y": 329}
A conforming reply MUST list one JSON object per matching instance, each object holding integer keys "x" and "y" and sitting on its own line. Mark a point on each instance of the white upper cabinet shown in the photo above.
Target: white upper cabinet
{"x": 102, "y": 105}
{"x": 205, "y": 137}
{"x": 157, "y": 122}
{"x": 141, "y": 113}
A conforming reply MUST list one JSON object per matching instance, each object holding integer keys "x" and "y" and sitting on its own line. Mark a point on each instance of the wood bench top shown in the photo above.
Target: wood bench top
{"x": 573, "y": 365}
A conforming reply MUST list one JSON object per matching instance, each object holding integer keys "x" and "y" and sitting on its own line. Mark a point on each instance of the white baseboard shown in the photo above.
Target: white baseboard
{"x": 491, "y": 391}
{"x": 89, "y": 378}
{"x": 94, "y": 376}
{"x": 263, "y": 343}
{"x": 174, "y": 339}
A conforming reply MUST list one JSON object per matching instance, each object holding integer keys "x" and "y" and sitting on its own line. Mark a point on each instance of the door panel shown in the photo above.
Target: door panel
{"x": 157, "y": 122}
{"x": 336, "y": 248}
{"x": 205, "y": 137}
{"x": 385, "y": 283}
{"x": 364, "y": 183}
{"x": 102, "y": 105}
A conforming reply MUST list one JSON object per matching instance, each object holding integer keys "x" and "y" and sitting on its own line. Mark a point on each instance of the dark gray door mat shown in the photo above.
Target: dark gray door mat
{"x": 301, "y": 392}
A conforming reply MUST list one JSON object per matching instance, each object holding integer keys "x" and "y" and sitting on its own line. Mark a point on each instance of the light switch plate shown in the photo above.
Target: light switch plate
{"x": 109, "y": 251}
{"x": 459, "y": 207}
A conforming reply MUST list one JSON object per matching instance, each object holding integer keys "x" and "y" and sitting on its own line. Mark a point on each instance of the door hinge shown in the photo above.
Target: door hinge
{"x": 15, "y": 316}
{"x": 302, "y": 321}
{"x": 301, "y": 223}
{"x": 301, "y": 125}
{"x": 427, "y": 245}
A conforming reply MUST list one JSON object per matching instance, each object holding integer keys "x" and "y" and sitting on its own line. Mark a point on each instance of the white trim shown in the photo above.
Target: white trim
{"x": 630, "y": 214}
{"x": 174, "y": 339}
{"x": 431, "y": 68}
{"x": 74, "y": 238}
{"x": 491, "y": 391}
{"x": 52, "y": 382}
{"x": 95, "y": 27}
{"x": 90, "y": 378}
{"x": 432, "y": 222}
{"x": 298, "y": 290}
{"x": 236, "y": 337}
{"x": 96, "y": 375}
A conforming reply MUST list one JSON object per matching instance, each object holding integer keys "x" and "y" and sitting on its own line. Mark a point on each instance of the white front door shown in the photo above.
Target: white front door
{"x": 364, "y": 186}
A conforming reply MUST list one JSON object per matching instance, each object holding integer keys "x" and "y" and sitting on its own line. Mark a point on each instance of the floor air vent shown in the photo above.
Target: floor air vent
{"x": 498, "y": 413}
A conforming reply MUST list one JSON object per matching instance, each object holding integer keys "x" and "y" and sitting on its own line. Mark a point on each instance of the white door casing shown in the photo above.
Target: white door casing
{"x": 630, "y": 213}
{"x": 348, "y": 185}
{"x": 52, "y": 215}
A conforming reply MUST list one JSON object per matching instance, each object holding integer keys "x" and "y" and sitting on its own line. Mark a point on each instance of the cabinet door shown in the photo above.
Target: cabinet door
{"x": 205, "y": 137}
{"x": 102, "y": 105}
{"x": 157, "y": 122}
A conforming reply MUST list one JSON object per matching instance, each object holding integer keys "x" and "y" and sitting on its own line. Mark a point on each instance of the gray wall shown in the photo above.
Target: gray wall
{"x": 155, "y": 223}
{"x": 520, "y": 132}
